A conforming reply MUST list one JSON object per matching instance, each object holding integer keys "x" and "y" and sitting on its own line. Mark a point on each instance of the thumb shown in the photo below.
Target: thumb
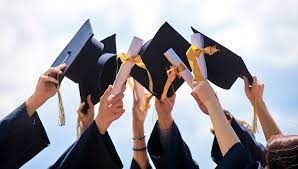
{"x": 89, "y": 101}
{"x": 246, "y": 84}
{"x": 108, "y": 92}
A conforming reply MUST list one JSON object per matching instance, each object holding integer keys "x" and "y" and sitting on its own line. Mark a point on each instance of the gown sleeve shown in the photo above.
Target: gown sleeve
{"x": 91, "y": 150}
{"x": 21, "y": 138}
{"x": 237, "y": 158}
{"x": 254, "y": 148}
{"x": 177, "y": 155}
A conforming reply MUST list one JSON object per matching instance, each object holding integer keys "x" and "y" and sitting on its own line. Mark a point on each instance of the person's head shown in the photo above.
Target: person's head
{"x": 282, "y": 152}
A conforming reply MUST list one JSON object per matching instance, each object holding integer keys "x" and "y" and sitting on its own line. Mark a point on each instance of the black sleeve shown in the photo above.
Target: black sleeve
{"x": 92, "y": 150}
{"x": 21, "y": 138}
{"x": 177, "y": 155}
{"x": 237, "y": 158}
{"x": 254, "y": 148}
{"x": 135, "y": 165}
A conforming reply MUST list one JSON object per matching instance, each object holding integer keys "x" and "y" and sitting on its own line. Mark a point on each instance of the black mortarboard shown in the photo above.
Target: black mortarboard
{"x": 90, "y": 63}
{"x": 152, "y": 54}
{"x": 224, "y": 66}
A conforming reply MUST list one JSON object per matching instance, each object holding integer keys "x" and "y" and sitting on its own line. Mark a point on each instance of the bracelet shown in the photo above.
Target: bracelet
{"x": 139, "y": 149}
{"x": 138, "y": 138}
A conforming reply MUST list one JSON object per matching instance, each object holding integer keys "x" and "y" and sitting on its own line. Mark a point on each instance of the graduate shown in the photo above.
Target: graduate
{"x": 166, "y": 147}
{"x": 234, "y": 153}
{"x": 22, "y": 135}
{"x": 140, "y": 157}
{"x": 94, "y": 148}
{"x": 281, "y": 150}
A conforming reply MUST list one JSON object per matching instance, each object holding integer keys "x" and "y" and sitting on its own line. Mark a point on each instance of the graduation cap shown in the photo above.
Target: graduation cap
{"x": 90, "y": 63}
{"x": 152, "y": 54}
{"x": 223, "y": 66}
{"x": 217, "y": 63}
{"x": 254, "y": 148}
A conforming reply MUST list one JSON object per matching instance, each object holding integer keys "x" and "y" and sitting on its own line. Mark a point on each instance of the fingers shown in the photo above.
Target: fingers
{"x": 48, "y": 79}
{"x": 61, "y": 67}
{"x": 116, "y": 109}
{"x": 116, "y": 98}
{"x": 246, "y": 84}
{"x": 254, "y": 82}
{"x": 195, "y": 83}
{"x": 118, "y": 104}
{"x": 172, "y": 98}
{"x": 107, "y": 93}
{"x": 194, "y": 94}
{"x": 80, "y": 108}
{"x": 53, "y": 70}
{"x": 89, "y": 102}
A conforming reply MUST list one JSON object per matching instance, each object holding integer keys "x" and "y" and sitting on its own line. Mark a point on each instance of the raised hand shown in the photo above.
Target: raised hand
{"x": 85, "y": 119}
{"x": 164, "y": 110}
{"x": 110, "y": 109}
{"x": 45, "y": 88}
{"x": 255, "y": 93}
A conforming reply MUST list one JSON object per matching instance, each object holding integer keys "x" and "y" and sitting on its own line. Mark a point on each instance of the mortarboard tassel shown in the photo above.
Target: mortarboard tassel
{"x": 61, "y": 121}
{"x": 192, "y": 53}
{"x": 148, "y": 96}
{"x": 172, "y": 73}
{"x": 147, "y": 105}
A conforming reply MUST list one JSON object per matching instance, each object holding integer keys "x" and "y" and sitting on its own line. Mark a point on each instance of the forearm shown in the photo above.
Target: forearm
{"x": 268, "y": 124}
{"x": 165, "y": 122}
{"x": 32, "y": 104}
{"x": 225, "y": 134}
{"x": 139, "y": 143}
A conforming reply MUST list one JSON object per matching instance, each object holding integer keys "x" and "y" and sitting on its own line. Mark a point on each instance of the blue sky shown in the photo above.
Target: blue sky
{"x": 264, "y": 33}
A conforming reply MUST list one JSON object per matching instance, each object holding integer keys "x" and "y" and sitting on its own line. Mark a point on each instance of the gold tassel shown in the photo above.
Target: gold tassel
{"x": 255, "y": 118}
{"x": 172, "y": 73}
{"x": 146, "y": 105}
{"x": 61, "y": 121}
{"x": 193, "y": 53}
{"x": 137, "y": 60}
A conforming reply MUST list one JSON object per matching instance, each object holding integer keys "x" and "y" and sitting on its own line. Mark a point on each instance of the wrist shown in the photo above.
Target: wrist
{"x": 102, "y": 125}
{"x": 165, "y": 122}
{"x": 138, "y": 129}
{"x": 32, "y": 104}
{"x": 212, "y": 103}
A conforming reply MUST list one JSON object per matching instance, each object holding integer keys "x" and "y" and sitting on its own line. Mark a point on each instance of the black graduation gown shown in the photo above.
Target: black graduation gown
{"x": 21, "y": 138}
{"x": 178, "y": 155}
{"x": 237, "y": 158}
{"x": 135, "y": 165}
{"x": 254, "y": 148}
{"x": 91, "y": 150}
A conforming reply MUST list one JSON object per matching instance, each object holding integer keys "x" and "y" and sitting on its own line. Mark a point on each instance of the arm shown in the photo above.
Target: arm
{"x": 95, "y": 149}
{"x": 255, "y": 96}
{"x": 203, "y": 93}
{"x": 22, "y": 133}
{"x": 84, "y": 120}
{"x": 139, "y": 144}
{"x": 45, "y": 89}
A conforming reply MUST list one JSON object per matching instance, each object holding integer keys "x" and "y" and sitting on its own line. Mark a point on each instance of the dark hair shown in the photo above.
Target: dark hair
{"x": 282, "y": 152}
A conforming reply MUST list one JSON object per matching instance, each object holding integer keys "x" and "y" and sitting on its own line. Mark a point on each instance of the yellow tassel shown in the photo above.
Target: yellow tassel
{"x": 146, "y": 105}
{"x": 61, "y": 121}
{"x": 255, "y": 118}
